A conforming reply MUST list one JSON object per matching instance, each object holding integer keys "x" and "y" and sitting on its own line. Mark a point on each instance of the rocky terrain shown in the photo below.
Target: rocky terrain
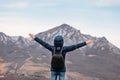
{"x": 24, "y": 59}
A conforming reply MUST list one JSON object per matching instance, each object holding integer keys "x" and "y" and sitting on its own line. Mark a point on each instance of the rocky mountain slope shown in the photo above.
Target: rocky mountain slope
{"x": 98, "y": 61}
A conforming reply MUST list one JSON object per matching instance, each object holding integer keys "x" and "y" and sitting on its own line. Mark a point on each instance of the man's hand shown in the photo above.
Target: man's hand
{"x": 89, "y": 41}
{"x": 32, "y": 36}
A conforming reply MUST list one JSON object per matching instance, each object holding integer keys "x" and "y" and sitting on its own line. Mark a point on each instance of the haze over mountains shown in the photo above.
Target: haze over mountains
{"x": 24, "y": 56}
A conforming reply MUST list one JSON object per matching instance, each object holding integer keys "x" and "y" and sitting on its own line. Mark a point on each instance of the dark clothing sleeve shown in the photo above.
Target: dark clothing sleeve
{"x": 43, "y": 43}
{"x": 73, "y": 47}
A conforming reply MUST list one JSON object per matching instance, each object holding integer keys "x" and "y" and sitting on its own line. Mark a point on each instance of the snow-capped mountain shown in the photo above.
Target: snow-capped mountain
{"x": 74, "y": 36}
{"x": 70, "y": 34}
{"x": 98, "y": 61}
{"x": 12, "y": 47}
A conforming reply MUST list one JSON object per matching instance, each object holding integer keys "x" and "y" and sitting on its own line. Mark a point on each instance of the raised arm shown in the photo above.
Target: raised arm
{"x": 73, "y": 47}
{"x": 43, "y": 43}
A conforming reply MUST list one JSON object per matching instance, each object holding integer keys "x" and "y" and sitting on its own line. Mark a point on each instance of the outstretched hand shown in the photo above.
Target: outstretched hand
{"x": 89, "y": 41}
{"x": 32, "y": 35}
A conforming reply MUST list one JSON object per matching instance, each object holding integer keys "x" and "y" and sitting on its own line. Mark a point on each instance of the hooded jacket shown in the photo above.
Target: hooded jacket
{"x": 58, "y": 44}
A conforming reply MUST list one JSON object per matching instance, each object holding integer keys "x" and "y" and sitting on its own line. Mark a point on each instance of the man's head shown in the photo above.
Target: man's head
{"x": 58, "y": 42}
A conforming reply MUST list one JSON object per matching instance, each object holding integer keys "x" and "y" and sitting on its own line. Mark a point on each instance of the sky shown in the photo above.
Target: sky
{"x": 95, "y": 17}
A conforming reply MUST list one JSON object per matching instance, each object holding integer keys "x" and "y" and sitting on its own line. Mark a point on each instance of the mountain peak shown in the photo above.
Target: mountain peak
{"x": 66, "y": 26}
{"x": 3, "y": 37}
{"x": 61, "y": 29}
{"x": 1, "y": 33}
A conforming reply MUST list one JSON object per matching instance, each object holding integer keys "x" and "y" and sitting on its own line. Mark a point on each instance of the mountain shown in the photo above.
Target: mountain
{"x": 73, "y": 36}
{"x": 98, "y": 61}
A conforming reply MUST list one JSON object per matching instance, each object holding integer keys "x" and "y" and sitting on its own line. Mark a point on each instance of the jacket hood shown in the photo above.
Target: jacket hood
{"x": 58, "y": 41}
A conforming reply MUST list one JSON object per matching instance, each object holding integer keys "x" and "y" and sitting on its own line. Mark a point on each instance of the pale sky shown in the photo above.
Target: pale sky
{"x": 95, "y": 17}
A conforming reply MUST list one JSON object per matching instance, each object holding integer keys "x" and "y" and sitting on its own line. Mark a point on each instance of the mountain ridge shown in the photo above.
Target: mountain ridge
{"x": 99, "y": 58}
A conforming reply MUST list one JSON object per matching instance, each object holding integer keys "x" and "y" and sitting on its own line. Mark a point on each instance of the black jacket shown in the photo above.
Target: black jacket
{"x": 65, "y": 49}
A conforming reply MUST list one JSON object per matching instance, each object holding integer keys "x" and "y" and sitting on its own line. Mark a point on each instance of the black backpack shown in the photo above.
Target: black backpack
{"x": 57, "y": 62}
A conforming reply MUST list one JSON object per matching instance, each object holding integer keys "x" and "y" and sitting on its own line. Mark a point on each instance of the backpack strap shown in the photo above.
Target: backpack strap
{"x": 60, "y": 50}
